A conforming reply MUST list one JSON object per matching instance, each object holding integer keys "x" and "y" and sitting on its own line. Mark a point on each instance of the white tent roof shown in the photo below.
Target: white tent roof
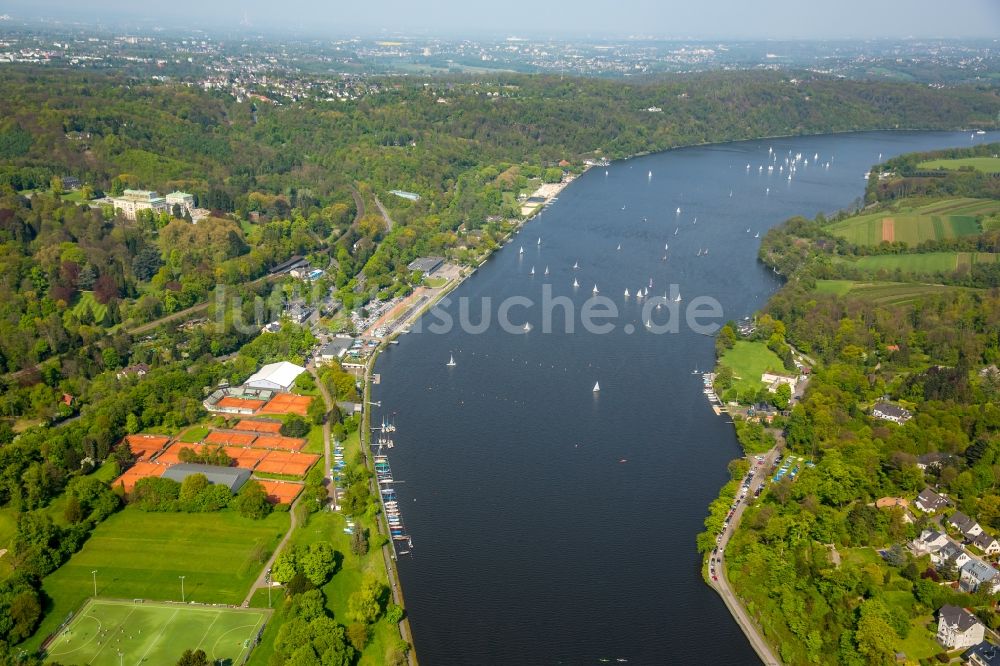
{"x": 281, "y": 374}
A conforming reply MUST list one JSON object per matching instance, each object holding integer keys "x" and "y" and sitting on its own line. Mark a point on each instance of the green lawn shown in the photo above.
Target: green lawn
{"x": 142, "y": 555}
{"x": 920, "y": 643}
{"x": 108, "y": 633}
{"x": 985, "y": 164}
{"x": 882, "y": 293}
{"x": 88, "y": 302}
{"x": 435, "y": 283}
{"x": 749, "y": 360}
{"x": 194, "y": 434}
{"x": 948, "y": 218}
{"x": 925, "y": 262}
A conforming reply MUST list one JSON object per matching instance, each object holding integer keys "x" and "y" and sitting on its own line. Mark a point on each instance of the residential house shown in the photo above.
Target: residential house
{"x": 986, "y": 543}
{"x": 929, "y": 501}
{"x": 138, "y": 370}
{"x": 773, "y": 381}
{"x": 934, "y": 460}
{"x": 71, "y": 183}
{"x": 967, "y": 526}
{"x": 983, "y": 654}
{"x": 889, "y": 412}
{"x": 976, "y": 574}
{"x": 929, "y": 541}
{"x": 951, "y": 553}
{"x": 334, "y": 349}
{"x": 958, "y": 628}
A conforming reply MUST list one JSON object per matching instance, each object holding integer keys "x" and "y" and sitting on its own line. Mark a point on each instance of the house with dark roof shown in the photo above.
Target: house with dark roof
{"x": 934, "y": 460}
{"x": 951, "y": 553}
{"x": 929, "y": 501}
{"x": 233, "y": 477}
{"x": 982, "y": 654}
{"x": 958, "y": 628}
{"x": 986, "y": 543}
{"x": 426, "y": 265}
{"x": 890, "y": 412}
{"x": 976, "y": 574}
{"x": 929, "y": 541}
{"x": 967, "y": 526}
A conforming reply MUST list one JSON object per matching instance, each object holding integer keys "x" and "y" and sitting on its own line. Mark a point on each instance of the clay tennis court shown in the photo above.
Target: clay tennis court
{"x": 281, "y": 492}
{"x": 229, "y": 402}
{"x": 138, "y": 471}
{"x": 172, "y": 455}
{"x": 279, "y": 442}
{"x": 258, "y": 426}
{"x": 287, "y": 403}
{"x": 245, "y": 457}
{"x": 230, "y": 438}
{"x": 888, "y": 230}
{"x": 144, "y": 446}
{"x": 285, "y": 462}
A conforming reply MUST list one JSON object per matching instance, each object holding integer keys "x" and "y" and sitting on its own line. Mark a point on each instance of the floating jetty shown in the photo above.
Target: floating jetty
{"x": 386, "y": 491}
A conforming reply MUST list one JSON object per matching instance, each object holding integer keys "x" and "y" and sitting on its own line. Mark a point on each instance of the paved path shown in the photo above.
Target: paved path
{"x": 722, "y": 586}
{"x": 262, "y": 579}
{"x": 331, "y": 487}
{"x": 385, "y": 214}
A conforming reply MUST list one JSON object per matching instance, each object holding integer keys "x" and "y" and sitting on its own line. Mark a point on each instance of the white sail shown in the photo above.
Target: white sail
{"x": 626, "y": 293}
{"x": 451, "y": 361}
{"x": 575, "y": 283}
{"x": 595, "y": 289}
{"x": 597, "y": 387}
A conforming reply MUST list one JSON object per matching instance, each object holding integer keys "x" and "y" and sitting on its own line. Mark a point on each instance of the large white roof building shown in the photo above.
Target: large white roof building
{"x": 275, "y": 376}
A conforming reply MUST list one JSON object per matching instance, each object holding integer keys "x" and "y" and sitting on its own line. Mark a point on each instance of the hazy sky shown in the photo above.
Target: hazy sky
{"x": 782, "y": 19}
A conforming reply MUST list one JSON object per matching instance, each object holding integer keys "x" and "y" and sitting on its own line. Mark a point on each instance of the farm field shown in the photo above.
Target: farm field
{"x": 881, "y": 293}
{"x": 930, "y": 262}
{"x": 984, "y": 164}
{"x": 949, "y": 218}
{"x": 110, "y": 632}
{"x": 139, "y": 555}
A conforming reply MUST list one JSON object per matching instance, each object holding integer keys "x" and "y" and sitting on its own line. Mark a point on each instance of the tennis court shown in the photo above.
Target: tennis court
{"x": 144, "y": 446}
{"x": 280, "y": 492}
{"x": 258, "y": 426}
{"x": 285, "y": 462}
{"x": 110, "y": 632}
{"x": 138, "y": 471}
{"x": 279, "y": 442}
{"x": 230, "y": 438}
{"x": 287, "y": 403}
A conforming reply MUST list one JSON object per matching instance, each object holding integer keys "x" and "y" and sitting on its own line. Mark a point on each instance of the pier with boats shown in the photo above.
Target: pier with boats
{"x": 402, "y": 543}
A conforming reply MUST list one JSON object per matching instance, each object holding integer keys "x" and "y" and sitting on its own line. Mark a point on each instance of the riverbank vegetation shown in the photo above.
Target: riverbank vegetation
{"x": 823, "y": 567}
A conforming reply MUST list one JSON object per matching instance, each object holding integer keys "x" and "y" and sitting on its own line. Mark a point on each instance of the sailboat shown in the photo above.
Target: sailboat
{"x": 666, "y": 246}
{"x": 451, "y": 361}
{"x": 575, "y": 283}
{"x": 757, "y": 235}
{"x": 638, "y": 294}
{"x": 649, "y": 324}
{"x": 595, "y": 289}
{"x": 650, "y": 283}
{"x": 677, "y": 298}
{"x": 521, "y": 250}
{"x": 676, "y": 230}
{"x": 695, "y": 221}
{"x": 699, "y": 252}
{"x": 597, "y": 387}
{"x": 619, "y": 246}
{"x": 532, "y": 271}
{"x": 678, "y": 210}
{"x": 546, "y": 270}
{"x": 576, "y": 265}
{"x": 626, "y": 293}
{"x": 527, "y": 327}
{"x": 748, "y": 229}
{"x": 539, "y": 241}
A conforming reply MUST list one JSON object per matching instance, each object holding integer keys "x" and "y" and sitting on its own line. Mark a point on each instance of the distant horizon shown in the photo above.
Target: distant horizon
{"x": 633, "y": 20}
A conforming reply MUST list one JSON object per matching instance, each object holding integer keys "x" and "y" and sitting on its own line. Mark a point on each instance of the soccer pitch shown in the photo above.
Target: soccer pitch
{"x": 111, "y": 633}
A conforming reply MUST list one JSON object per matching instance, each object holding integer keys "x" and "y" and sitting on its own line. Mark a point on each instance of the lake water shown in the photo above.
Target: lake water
{"x": 533, "y": 543}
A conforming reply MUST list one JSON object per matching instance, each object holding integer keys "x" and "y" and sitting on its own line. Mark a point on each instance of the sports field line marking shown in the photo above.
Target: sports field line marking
{"x": 109, "y": 640}
{"x": 153, "y": 642}
{"x": 217, "y": 640}
{"x": 217, "y": 616}
{"x": 62, "y": 636}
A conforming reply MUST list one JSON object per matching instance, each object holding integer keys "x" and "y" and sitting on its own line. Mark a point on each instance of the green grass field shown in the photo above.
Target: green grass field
{"x": 985, "y": 164}
{"x": 194, "y": 434}
{"x": 749, "y": 360}
{"x": 948, "y": 218}
{"x": 88, "y": 302}
{"x": 881, "y": 293}
{"x": 927, "y": 262}
{"x": 106, "y": 632}
{"x": 142, "y": 555}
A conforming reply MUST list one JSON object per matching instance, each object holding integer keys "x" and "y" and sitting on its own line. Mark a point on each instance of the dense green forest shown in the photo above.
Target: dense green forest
{"x": 824, "y": 571}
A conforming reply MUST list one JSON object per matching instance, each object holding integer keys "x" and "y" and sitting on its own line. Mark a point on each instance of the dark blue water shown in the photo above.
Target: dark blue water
{"x": 533, "y": 544}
